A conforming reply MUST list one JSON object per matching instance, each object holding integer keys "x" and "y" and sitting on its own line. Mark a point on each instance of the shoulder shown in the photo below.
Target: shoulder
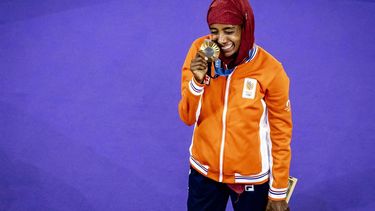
{"x": 268, "y": 63}
{"x": 264, "y": 67}
{"x": 265, "y": 58}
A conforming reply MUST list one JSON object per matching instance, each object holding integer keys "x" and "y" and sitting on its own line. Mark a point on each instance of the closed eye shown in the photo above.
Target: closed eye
{"x": 214, "y": 32}
{"x": 229, "y": 32}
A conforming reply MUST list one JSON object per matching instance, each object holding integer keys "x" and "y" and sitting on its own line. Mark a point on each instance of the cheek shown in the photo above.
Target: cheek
{"x": 213, "y": 37}
{"x": 237, "y": 38}
{"x": 237, "y": 42}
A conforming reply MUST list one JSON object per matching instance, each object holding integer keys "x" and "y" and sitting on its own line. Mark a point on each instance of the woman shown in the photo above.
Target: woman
{"x": 241, "y": 112}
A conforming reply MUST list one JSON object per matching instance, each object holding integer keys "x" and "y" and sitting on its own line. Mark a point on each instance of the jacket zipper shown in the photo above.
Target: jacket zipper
{"x": 224, "y": 119}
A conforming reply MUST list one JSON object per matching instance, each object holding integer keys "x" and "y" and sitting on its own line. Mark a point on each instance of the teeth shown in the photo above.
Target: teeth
{"x": 226, "y": 47}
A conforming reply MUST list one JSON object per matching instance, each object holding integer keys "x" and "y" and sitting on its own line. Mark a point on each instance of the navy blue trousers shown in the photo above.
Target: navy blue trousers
{"x": 206, "y": 195}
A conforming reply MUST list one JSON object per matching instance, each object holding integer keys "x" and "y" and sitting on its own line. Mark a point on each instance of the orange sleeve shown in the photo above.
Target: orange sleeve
{"x": 280, "y": 121}
{"x": 191, "y": 90}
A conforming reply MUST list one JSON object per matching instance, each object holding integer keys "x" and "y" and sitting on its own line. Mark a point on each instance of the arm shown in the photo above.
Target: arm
{"x": 280, "y": 120}
{"x": 193, "y": 70}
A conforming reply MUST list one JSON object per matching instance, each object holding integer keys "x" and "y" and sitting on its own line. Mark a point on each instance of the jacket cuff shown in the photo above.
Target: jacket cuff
{"x": 277, "y": 194}
{"x": 195, "y": 88}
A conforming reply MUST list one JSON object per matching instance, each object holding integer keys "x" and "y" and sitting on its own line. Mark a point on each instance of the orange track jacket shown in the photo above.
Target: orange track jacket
{"x": 243, "y": 122}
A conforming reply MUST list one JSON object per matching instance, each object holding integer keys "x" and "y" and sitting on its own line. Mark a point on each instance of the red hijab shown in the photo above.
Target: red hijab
{"x": 234, "y": 12}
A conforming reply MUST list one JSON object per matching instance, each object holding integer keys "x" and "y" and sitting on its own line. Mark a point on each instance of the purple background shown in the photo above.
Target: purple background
{"x": 89, "y": 93}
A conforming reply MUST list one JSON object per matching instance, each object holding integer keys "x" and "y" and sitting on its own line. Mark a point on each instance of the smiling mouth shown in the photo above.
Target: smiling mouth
{"x": 227, "y": 48}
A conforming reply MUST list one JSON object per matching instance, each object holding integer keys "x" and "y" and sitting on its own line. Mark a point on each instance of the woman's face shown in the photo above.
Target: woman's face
{"x": 227, "y": 36}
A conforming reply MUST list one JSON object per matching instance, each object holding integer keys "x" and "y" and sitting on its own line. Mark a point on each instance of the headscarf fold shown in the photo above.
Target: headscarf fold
{"x": 234, "y": 12}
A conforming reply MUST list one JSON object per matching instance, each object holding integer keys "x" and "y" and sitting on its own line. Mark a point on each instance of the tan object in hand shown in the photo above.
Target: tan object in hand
{"x": 210, "y": 49}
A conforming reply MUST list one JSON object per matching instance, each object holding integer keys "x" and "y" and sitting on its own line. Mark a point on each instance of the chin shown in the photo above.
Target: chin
{"x": 229, "y": 54}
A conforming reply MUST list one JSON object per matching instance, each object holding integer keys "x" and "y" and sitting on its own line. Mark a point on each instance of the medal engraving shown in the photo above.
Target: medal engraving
{"x": 210, "y": 49}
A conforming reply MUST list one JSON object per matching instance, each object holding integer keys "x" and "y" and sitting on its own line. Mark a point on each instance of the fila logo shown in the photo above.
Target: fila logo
{"x": 249, "y": 88}
{"x": 249, "y": 187}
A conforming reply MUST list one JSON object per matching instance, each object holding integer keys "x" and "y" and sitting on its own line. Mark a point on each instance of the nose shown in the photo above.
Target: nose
{"x": 221, "y": 39}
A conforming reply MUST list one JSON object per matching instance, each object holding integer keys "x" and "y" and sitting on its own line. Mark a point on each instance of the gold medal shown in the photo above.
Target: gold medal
{"x": 210, "y": 49}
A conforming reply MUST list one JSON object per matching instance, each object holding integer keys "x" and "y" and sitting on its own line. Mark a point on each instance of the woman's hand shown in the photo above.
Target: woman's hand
{"x": 199, "y": 67}
{"x": 277, "y": 206}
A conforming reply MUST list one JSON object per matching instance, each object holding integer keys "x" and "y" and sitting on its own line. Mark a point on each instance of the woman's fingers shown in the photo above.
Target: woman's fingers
{"x": 200, "y": 59}
{"x": 198, "y": 66}
{"x": 202, "y": 55}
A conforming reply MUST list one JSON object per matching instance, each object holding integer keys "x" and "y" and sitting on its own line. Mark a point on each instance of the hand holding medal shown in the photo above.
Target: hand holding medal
{"x": 200, "y": 66}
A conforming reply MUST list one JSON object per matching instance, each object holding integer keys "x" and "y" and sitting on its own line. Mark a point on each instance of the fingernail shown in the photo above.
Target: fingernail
{"x": 205, "y": 58}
